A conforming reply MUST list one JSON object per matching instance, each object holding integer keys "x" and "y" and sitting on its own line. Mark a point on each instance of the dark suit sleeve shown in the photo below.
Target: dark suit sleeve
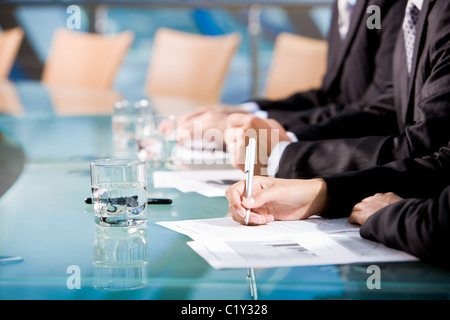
{"x": 297, "y": 101}
{"x": 409, "y": 178}
{"x": 353, "y": 122}
{"x": 420, "y": 227}
{"x": 419, "y": 224}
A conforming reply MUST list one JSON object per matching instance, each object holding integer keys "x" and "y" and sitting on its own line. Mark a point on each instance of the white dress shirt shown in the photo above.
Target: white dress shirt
{"x": 345, "y": 10}
{"x": 418, "y": 3}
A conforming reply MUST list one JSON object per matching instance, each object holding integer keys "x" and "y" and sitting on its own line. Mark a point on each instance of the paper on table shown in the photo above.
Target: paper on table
{"x": 224, "y": 243}
{"x": 199, "y": 151}
{"x": 228, "y": 229}
{"x": 210, "y": 183}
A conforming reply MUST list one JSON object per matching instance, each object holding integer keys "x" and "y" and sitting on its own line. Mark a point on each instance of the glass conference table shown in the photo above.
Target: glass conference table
{"x": 48, "y": 234}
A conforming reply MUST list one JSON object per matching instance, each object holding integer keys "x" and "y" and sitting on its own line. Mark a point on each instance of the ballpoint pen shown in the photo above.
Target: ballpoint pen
{"x": 250, "y": 156}
{"x": 149, "y": 201}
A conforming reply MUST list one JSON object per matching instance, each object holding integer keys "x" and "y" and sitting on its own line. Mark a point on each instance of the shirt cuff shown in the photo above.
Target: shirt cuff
{"x": 292, "y": 136}
{"x": 253, "y": 107}
{"x": 275, "y": 157}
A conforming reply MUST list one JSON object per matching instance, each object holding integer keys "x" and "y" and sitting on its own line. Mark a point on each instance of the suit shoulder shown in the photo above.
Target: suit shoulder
{"x": 439, "y": 17}
{"x": 440, "y": 8}
{"x": 387, "y": 3}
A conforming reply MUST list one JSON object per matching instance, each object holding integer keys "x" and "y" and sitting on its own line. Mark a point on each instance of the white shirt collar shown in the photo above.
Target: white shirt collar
{"x": 418, "y": 3}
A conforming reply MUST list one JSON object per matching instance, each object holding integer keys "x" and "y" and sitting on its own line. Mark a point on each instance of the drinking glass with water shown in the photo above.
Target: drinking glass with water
{"x": 119, "y": 192}
{"x": 156, "y": 139}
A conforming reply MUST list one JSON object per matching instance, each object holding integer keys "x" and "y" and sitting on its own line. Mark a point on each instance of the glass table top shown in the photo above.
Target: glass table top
{"x": 57, "y": 251}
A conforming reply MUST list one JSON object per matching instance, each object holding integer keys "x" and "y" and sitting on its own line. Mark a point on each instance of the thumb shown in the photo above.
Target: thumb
{"x": 261, "y": 197}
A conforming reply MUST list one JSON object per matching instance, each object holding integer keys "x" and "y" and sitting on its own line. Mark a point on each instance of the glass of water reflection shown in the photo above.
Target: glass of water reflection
{"x": 120, "y": 258}
{"x": 119, "y": 192}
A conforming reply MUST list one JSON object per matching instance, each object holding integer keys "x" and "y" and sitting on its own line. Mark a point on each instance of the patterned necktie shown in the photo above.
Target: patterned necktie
{"x": 345, "y": 9}
{"x": 409, "y": 31}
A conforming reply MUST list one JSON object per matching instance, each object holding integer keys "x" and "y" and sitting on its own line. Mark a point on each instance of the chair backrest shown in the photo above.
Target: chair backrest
{"x": 85, "y": 59}
{"x": 189, "y": 65}
{"x": 10, "y": 41}
{"x": 298, "y": 64}
{"x": 9, "y": 99}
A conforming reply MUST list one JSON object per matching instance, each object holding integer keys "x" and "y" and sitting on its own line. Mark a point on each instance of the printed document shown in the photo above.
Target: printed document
{"x": 224, "y": 243}
{"x": 210, "y": 183}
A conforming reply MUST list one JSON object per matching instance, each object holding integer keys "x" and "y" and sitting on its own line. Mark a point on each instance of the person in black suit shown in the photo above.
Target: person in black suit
{"x": 418, "y": 224}
{"x": 419, "y": 96}
{"x": 426, "y": 221}
{"x": 404, "y": 204}
{"x": 359, "y": 68}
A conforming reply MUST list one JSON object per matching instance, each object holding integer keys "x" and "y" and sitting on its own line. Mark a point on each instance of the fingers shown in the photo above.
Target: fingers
{"x": 370, "y": 205}
{"x": 261, "y": 197}
{"x": 191, "y": 115}
{"x": 235, "y": 195}
{"x": 240, "y": 128}
{"x": 238, "y": 120}
{"x": 235, "y": 145}
{"x": 254, "y": 219}
{"x": 197, "y": 121}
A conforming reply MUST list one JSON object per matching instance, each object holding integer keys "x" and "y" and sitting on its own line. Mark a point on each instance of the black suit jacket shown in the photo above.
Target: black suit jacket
{"x": 358, "y": 68}
{"x": 421, "y": 103}
{"x": 420, "y": 224}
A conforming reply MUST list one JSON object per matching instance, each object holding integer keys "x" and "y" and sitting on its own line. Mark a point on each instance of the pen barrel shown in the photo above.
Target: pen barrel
{"x": 149, "y": 201}
{"x": 249, "y": 185}
{"x": 159, "y": 201}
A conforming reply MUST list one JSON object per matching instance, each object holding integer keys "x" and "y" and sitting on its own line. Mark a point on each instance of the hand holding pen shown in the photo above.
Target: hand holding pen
{"x": 277, "y": 199}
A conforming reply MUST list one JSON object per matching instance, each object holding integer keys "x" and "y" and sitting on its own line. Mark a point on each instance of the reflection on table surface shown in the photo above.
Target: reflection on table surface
{"x": 35, "y": 99}
{"x": 50, "y": 247}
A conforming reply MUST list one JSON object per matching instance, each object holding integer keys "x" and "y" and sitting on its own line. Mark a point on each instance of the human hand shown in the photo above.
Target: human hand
{"x": 368, "y": 206}
{"x": 204, "y": 119}
{"x": 267, "y": 132}
{"x": 277, "y": 199}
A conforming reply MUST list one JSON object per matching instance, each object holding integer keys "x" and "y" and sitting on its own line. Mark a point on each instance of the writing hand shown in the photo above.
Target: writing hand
{"x": 277, "y": 199}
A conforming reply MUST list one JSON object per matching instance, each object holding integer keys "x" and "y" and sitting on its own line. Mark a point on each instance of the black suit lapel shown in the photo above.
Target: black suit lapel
{"x": 418, "y": 48}
{"x": 400, "y": 81}
{"x": 335, "y": 61}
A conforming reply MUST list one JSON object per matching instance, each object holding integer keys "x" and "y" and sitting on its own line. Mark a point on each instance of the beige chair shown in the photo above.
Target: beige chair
{"x": 188, "y": 65}
{"x": 9, "y": 99}
{"x": 10, "y": 41}
{"x": 85, "y": 60}
{"x": 298, "y": 64}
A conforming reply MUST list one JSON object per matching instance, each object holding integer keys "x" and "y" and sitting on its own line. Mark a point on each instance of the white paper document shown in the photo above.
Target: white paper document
{"x": 199, "y": 152}
{"x": 224, "y": 243}
{"x": 210, "y": 183}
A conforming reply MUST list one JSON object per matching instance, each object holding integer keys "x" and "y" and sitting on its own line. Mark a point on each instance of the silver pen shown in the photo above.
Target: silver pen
{"x": 250, "y": 156}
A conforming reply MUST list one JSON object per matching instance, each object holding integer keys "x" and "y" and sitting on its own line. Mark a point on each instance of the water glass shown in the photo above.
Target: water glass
{"x": 156, "y": 138}
{"x": 119, "y": 192}
{"x": 123, "y": 121}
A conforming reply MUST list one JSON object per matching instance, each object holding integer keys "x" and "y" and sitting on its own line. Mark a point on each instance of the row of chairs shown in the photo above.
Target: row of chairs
{"x": 182, "y": 64}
